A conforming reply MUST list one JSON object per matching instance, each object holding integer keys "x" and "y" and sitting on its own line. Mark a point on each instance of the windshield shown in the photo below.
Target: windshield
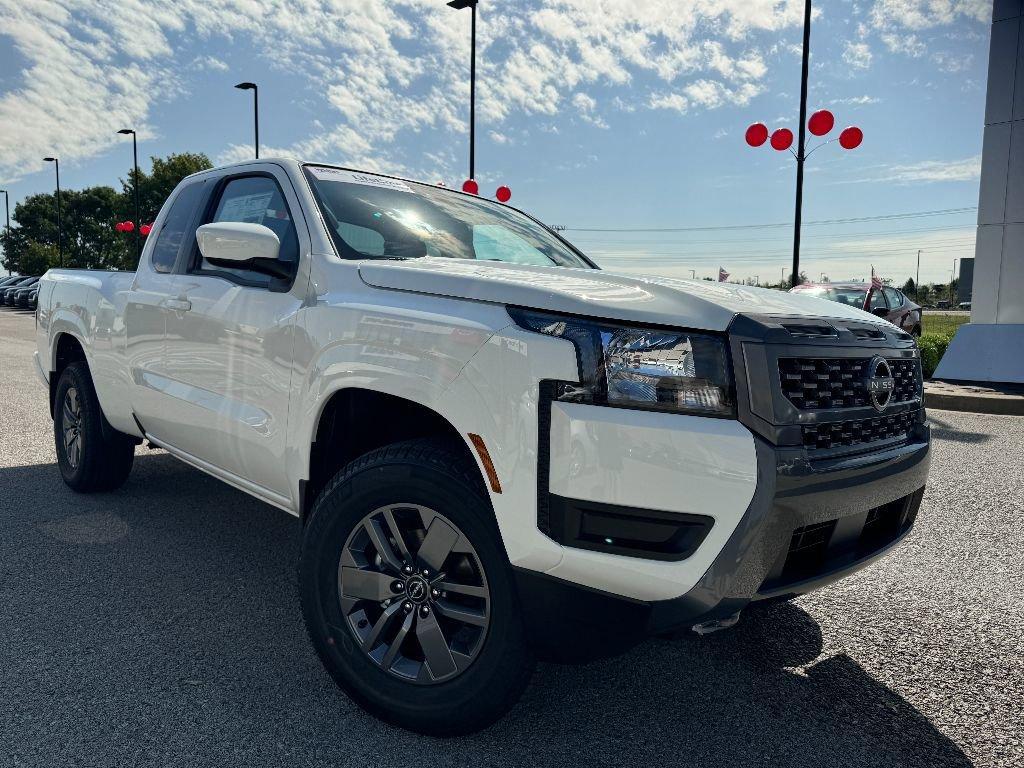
{"x": 377, "y": 217}
{"x": 853, "y": 297}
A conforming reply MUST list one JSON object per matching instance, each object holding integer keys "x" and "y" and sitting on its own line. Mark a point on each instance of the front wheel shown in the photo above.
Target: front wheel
{"x": 407, "y": 593}
{"x": 90, "y": 457}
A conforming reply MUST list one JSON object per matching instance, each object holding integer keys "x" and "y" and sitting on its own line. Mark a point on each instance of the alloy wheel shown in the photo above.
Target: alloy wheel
{"x": 413, "y": 593}
{"x": 71, "y": 423}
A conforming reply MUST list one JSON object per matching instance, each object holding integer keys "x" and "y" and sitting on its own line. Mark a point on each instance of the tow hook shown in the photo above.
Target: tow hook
{"x": 707, "y": 627}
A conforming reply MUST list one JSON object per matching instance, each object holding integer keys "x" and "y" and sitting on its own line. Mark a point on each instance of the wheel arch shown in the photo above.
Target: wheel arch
{"x": 354, "y": 421}
{"x": 66, "y": 348}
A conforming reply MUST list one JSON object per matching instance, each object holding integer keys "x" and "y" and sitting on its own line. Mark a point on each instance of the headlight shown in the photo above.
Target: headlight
{"x": 635, "y": 367}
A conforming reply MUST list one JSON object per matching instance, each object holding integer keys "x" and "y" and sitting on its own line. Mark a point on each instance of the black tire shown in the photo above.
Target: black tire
{"x": 916, "y": 332}
{"x": 103, "y": 457}
{"x": 427, "y": 473}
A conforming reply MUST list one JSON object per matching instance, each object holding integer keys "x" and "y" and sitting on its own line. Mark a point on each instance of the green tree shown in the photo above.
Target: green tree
{"x": 157, "y": 185}
{"x": 909, "y": 288}
{"x": 88, "y": 238}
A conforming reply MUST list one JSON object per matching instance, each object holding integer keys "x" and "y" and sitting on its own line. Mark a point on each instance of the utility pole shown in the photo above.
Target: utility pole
{"x": 693, "y": 274}
{"x": 917, "y": 280}
{"x": 801, "y": 142}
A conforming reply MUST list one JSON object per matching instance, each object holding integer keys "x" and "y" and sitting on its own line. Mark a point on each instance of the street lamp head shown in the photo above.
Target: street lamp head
{"x": 460, "y": 4}
{"x": 49, "y": 159}
{"x": 246, "y": 86}
{"x": 126, "y": 131}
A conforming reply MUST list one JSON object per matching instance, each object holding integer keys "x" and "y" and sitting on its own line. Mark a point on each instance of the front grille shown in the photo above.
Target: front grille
{"x": 907, "y": 373}
{"x": 846, "y": 433}
{"x": 812, "y": 383}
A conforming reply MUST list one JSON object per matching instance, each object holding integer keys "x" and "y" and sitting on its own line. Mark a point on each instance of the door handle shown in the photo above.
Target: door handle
{"x": 178, "y": 305}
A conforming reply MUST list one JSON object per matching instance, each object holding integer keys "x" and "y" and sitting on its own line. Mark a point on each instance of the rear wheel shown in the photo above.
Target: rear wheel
{"x": 407, "y": 593}
{"x": 91, "y": 456}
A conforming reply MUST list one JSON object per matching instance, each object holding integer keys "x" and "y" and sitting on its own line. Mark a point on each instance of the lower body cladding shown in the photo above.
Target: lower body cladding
{"x": 803, "y": 524}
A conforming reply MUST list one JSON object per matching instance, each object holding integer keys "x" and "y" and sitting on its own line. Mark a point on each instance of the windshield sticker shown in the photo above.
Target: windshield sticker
{"x": 353, "y": 177}
{"x": 248, "y": 208}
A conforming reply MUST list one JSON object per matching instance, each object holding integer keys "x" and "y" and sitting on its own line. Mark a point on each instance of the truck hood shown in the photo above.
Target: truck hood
{"x": 695, "y": 304}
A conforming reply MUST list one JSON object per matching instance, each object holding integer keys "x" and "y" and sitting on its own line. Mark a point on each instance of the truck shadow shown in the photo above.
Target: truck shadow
{"x": 173, "y": 601}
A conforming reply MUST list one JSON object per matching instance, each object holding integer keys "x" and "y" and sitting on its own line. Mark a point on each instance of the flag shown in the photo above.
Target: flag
{"x": 876, "y": 281}
{"x": 722, "y": 275}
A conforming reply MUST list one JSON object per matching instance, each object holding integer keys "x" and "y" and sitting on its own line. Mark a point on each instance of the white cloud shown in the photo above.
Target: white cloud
{"x": 211, "y": 63}
{"x": 924, "y": 14}
{"x": 911, "y": 45}
{"x": 923, "y": 172}
{"x": 93, "y": 66}
{"x": 857, "y": 55}
{"x": 584, "y": 104}
{"x": 856, "y": 100}
{"x": 389, "y": 69}
{"x": 968, "y": 169}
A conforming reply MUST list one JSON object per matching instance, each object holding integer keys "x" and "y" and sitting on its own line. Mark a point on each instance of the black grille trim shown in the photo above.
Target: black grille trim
{"x": 834, "y": 434}
{"x": 828, "y": 383}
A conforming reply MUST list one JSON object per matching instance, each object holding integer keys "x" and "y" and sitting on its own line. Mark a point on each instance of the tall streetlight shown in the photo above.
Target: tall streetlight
{"x": 56, "y": 165}
{"x": 7, "y": 211}
{"x": 801, "y": 140}
{"x": 255, "y": 108}
{"x": 135, "y": 185}
{"x": 460, "y": 5}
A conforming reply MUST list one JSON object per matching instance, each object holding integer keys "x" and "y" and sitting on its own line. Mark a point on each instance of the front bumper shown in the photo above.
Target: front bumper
{"x": 808, "y": 524}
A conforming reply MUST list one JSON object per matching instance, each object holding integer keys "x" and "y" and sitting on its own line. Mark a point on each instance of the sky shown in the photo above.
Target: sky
{"x": 616, "y": 119}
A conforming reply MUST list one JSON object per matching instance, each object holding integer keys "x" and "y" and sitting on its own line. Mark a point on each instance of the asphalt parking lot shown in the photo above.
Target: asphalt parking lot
{"x": 159, "y": 625}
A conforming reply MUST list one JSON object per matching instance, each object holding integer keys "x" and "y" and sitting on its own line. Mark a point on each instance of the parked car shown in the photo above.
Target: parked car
{"x": 10, "y": 279}
{"x": 19, "y": 298}
{"x": 964, "y": 305}
{"x": 33, "y": 298}
{"x": 498, "y": 452}
{"x": 8, "y": 290}
{"x": 889, "y": 303}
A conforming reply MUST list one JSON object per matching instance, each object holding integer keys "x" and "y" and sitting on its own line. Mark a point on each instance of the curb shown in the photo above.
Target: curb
{"x": 945, "y": 396}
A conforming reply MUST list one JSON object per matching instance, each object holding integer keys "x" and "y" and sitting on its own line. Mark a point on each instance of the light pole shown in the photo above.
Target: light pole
{"x": 7, "y": 212}
{"x": 820, "y": 124}
{"x": 135, "y": 186}
{"x": 693, "y": 274}
{"x": 460, "y": 5}
{"x": 56, "y": 165}
{"x": 255, "y": 108}
{"x": 800, "y": 143}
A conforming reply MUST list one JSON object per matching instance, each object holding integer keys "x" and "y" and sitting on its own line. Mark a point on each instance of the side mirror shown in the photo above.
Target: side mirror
{"x": 236, "y": 241}
{"x": 880, "y": 312}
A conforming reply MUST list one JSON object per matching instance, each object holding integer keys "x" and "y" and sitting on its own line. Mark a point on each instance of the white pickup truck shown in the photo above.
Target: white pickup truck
{"x": 498, "y": 451}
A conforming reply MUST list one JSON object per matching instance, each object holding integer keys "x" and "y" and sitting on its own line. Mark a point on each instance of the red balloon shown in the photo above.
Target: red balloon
{"x": 145, "y": 229}
{"x": 851, "y": 137}
{"x": 821, "y": 122}
{"x": 504, "y": 194}
{"x": 470, "y": 186}
{"x": 119, "y": 227}
{"x": 129, "y": 226}
{"x": 782, "y": 139}
{"x": 757, "y": 134}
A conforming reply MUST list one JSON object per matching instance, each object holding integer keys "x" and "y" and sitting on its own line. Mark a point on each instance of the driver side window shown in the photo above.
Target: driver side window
{"x": 894, "y": 297}
{"x": 253, "y": 200}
